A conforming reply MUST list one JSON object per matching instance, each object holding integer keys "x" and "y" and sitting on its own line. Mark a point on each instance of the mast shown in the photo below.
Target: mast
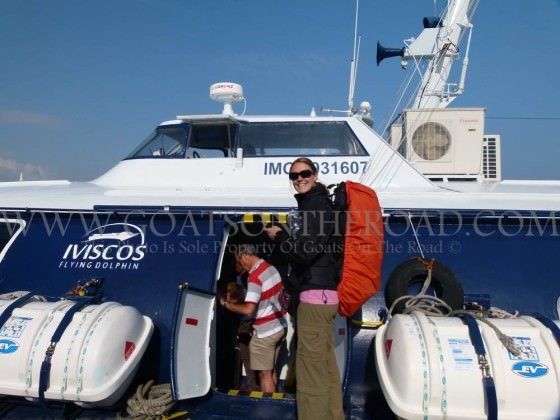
{"x": 354, "y": 63}
{"x": 434, "y": 51}
{"x": 435, "y": 91}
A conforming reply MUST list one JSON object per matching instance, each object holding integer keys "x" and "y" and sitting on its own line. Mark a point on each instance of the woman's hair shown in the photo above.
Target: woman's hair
{"x": 307, "y": 162}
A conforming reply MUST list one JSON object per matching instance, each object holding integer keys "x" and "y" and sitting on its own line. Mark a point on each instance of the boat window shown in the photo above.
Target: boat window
{"x": 165, "y": 142}
{"x": 211, "y": 141}
{"x": 299, "y": 139}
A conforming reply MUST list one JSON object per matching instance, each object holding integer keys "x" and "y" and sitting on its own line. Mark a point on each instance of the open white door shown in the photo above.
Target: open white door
{"x": 191, "y": 374}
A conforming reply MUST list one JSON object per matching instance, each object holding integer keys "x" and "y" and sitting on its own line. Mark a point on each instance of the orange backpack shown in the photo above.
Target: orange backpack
{"x": 362, "y": 222}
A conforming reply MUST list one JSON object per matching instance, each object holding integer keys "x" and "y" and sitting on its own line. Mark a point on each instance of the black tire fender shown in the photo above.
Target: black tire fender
{"x": 444, "y": 283}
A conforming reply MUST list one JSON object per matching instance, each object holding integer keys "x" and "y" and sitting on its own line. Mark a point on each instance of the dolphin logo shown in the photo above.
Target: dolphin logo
{"x": 120, "y": 232}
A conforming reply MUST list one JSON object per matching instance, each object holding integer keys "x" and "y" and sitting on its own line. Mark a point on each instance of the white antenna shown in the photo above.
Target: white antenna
{"x": 354, "y": 63}
{"x": 365, "y": 107}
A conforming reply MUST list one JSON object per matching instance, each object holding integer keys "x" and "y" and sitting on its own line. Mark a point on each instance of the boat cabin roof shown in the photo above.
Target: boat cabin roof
{"x": 241, "y": 162}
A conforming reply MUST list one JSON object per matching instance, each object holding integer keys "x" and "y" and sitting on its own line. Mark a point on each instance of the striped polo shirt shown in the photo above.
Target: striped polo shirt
{"x": 263, "y": 288}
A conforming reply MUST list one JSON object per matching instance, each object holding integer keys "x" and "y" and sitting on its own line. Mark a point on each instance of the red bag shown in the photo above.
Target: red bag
{"x": 363, "y": 247}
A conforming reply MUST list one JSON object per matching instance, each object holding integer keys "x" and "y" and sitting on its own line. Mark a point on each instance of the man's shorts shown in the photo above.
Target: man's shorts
{"x": 264, "y": 351}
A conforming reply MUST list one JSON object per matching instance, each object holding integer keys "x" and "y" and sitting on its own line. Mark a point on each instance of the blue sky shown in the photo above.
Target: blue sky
{"x": 83, "y": 82}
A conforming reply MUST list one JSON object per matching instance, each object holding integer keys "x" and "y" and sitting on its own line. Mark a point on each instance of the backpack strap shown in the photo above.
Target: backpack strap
{"x": 337, "y": 193}
{"x": 487, "y": 379}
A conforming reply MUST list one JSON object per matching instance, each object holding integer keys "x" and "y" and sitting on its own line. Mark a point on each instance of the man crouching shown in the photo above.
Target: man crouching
{"x": 261, "y": 301}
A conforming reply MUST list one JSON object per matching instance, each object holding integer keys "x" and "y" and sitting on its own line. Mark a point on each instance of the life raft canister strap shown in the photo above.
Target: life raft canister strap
{"x": 487, "y": 379}
{"x": 45, "y": 371}
{"x": 551, "y": 325}
{"x": 7, "y": 314}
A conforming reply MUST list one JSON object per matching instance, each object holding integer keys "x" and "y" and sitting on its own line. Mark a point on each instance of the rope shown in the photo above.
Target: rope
{"x": 398, "y": 99}
{"x": 506, "y": 340}
{"x": 420, "y": 248}
{"x": 149, "y": 402}
{"x": 434, "y": 306}
{"x": 501, "y": 313}
{"x": 427, "y": 304}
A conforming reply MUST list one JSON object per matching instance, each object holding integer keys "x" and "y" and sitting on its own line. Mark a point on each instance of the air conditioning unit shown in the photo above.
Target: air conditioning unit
{"x": 442, "y": 143}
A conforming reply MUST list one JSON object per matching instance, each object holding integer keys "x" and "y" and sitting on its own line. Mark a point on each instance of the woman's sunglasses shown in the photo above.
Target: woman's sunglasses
{"x": 306, "y": 173}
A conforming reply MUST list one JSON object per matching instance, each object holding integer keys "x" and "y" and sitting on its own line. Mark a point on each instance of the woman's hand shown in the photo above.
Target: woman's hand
{"x": 272, "y": 231}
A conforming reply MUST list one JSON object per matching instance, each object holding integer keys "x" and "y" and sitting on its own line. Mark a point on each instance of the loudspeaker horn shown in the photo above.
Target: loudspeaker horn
{"x": 383, "y": 53}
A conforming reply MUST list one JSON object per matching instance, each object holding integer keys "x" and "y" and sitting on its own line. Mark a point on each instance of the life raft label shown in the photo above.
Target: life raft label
{"x": 526, "y": 348}
{"x": 14, "y": 327}
{"x": 461, "y": 353}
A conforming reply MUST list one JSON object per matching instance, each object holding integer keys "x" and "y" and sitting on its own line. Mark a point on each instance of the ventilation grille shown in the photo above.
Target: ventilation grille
{"x": 491, "y": 165}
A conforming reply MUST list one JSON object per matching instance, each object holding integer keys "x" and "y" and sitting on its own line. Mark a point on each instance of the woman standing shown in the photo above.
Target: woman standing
{"x": 315, "y": 277}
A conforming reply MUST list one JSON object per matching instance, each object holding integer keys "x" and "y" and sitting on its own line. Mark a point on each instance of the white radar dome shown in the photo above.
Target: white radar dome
{"x": 227, "y": 93}
{"x": 365, "y": 107}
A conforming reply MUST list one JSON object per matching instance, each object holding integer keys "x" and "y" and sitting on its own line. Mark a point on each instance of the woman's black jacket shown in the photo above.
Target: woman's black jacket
{"x": 312, "y": 251}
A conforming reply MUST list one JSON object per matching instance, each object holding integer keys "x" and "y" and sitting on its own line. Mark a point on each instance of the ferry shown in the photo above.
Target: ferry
{"x": 107, "y": 284}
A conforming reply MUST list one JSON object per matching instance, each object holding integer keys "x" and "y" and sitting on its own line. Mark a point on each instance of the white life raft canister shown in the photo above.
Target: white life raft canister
{"x": 428, "y": 368}
{"x": 92, "y": 364}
